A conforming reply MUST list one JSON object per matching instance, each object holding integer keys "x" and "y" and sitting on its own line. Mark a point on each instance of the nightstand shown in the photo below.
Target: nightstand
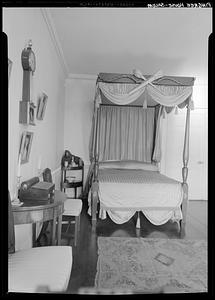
{"x": 68, "y": 179}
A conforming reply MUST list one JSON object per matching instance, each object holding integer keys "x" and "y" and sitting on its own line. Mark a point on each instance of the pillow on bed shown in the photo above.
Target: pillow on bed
{"x": 127, "y": 164}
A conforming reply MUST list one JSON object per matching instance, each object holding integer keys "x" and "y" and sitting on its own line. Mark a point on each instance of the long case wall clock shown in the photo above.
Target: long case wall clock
{"x": 26, "y": 106}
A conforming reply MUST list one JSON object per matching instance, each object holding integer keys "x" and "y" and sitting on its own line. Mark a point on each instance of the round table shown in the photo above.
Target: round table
{"x": 31, "y": 214}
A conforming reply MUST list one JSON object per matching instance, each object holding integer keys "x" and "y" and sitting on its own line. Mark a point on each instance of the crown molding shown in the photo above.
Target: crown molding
{"x": 54, "y": 37}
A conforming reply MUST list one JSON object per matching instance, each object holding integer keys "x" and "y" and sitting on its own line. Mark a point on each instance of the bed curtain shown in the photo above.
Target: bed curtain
{"x": 126, "y": 133}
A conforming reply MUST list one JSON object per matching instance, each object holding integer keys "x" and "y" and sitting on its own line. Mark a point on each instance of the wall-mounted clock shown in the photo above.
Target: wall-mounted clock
{"x": 27, "y": 107}
{"x": 29, "y": 67}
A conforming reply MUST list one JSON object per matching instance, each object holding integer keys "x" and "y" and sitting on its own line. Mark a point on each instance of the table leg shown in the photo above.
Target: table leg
{"x": 59, "y": 226}
{"x": 76, "y": 229}
{"x": 54, "y": 229}
{"x": 33, "y": 234}
{"x": 75, "y": 192}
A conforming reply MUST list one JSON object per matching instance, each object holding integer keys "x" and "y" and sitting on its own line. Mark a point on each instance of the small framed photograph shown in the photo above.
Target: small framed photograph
{"x": 25, "y": 146}
{"x": 31, "y": 113}
{"x": 41, "y": 106}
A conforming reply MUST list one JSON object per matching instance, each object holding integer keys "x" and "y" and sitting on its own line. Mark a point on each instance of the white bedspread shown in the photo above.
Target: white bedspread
{"x": 122, "y": 192}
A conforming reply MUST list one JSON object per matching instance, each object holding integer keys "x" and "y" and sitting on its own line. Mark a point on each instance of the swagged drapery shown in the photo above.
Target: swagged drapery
{"x": 126, "y": 94}
{"x": 145, "y": 92}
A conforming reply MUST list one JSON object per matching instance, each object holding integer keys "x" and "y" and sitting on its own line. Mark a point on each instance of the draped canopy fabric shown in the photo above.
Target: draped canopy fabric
{"x": 124, "y": 94}
{"x": 105, "y": 138}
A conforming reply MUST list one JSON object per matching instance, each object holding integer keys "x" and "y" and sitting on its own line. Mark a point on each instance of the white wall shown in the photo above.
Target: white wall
{"x": 197, "y": 165}
{"x": 20, "y": 25}
{"x": 80, "y": 93}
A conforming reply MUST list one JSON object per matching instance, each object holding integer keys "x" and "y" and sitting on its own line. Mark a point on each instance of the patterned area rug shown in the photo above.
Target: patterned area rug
{"x": 151, "y": 265}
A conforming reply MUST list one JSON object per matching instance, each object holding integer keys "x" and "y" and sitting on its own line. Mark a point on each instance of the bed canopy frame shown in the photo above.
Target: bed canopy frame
{"x": 163, "y": 92}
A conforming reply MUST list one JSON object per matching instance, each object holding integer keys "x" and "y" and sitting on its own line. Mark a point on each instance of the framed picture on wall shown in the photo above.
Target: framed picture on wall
{"x": 31, "y": 113}
{"x": 41, "y": 106}
{"x": 25, "y": 146}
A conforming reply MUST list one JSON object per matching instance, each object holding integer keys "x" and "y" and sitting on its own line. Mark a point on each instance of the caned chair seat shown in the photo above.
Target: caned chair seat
{"x": 40, "y": 269}
{"x": 72, "y": 208}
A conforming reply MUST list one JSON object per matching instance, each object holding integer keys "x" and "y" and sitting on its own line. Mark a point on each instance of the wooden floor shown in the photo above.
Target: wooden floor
{"x": 85, "y": 254}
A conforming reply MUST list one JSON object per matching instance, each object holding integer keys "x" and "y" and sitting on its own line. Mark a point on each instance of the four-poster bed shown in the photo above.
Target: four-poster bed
{"x": 125, "y": 148}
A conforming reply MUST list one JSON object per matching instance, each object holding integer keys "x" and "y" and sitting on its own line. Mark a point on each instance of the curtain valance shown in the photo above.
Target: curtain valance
{"x": 147, "y": 92}
{"x": 124, "y": 94}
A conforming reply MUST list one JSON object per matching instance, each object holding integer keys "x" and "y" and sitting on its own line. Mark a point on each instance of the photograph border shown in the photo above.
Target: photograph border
{"x": 22, "y": 147}
{"x": 41, "y": 106}
{"x": 31, "y": 112}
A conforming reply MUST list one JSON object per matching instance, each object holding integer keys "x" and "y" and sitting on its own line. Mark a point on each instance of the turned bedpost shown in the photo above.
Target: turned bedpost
{"x": 96, "y": 145}
{"x": 185, "y": 168}
{"x": 94, "y": 201}
{"x": 94, "y": 190}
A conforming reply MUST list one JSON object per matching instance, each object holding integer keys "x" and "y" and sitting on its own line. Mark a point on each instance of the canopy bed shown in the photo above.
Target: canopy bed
{"x": 125, "y": 148}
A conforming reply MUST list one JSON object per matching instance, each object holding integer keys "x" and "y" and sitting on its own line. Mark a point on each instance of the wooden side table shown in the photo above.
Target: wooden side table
{"x": 65, "y": 183}
{"x": 31, "y": 214}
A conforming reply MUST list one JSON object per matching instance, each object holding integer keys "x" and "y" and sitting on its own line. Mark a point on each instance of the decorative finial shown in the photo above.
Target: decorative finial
{"x": 28, "y": 44}
{"x": 137, "y": 73}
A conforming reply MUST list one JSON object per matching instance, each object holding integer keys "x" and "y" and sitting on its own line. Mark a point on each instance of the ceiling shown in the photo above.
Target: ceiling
{"x": 117, "y": 40}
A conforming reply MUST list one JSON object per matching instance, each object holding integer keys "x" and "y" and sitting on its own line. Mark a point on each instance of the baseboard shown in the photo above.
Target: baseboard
{"x": 198, "y": 200}
{"x": 56, "y": 171}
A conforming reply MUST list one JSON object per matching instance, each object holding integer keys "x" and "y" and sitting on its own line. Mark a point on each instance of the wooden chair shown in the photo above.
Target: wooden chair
{"x": 37, "y": 270}
{"x": 72, "y": 210}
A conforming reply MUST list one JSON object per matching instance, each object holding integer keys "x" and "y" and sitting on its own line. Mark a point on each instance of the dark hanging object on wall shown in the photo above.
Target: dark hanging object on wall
{"x": 26, "y": 106}
{"x": 29, "y": 66}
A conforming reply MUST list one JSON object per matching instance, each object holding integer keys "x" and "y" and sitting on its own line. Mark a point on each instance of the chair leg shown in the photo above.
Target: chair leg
{"x": 76, "y": 228}
{"x": 79, "y": 222}
{"x": 67, "y": 229}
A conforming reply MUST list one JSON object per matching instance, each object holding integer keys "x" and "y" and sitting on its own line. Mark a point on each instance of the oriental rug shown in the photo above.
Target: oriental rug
{"x": 145, "y": 265}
